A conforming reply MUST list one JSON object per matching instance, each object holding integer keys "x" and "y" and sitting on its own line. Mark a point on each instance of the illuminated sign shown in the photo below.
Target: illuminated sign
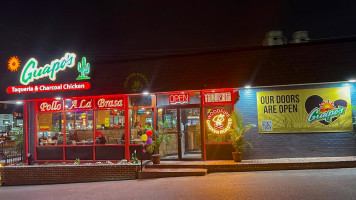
{"x": 84, "y": 69}
{"x": 178, "y": 98}
{"x": 219, "y": 121}
{"x": 30, "y": 72}
{"x": 218, "y": 97}
{"x": 47, "y": 106}
{"x": 13, "y": 64}
{"x": 48, "y": 88}
{"x": 110, "y": 102}
{"x": 74, "y": 104}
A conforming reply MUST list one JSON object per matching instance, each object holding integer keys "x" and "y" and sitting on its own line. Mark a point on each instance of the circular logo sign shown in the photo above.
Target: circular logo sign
{"x": 219, "y": 121}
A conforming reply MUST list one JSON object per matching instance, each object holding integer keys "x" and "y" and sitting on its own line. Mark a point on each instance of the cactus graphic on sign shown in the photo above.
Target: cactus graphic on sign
{"x": 84, "y": 69}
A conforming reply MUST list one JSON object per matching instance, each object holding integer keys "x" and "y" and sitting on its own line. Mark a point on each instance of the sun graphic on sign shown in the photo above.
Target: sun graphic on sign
{"x": 326, "y": 106}
{"x": 13, "y": 64}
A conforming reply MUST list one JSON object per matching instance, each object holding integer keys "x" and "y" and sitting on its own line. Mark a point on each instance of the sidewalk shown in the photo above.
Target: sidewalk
{"x": 263, "y": 164}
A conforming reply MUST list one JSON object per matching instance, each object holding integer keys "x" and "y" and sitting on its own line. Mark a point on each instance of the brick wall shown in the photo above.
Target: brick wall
{"x": 293, "y": 145}
{"x": 53, "y": 174}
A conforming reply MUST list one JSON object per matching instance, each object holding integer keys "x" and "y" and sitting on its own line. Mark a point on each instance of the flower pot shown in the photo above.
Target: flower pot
{"x": 237, "y": 156}
{"x": 156, "y": 159}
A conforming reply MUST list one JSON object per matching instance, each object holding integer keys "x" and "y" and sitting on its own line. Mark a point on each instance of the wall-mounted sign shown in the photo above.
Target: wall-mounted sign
{"x": 32, "y": 72}
{"x": 48, "y": 88}
{"x": 218, "y": 97}
{"x": 110, "y": 102}
{"x": 50, "y": 106}
{"x": 74, "y": 104}
{"x": 84, "y": 69}
{"x": 178, "y": 98}
{"x": 306, "y": 110}
{"x": 136, "y": 82}
{"x": 13, "y": 64}
{"x": 219, "y": 121}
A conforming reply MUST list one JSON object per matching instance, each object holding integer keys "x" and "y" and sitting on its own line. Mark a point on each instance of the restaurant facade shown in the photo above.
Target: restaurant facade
{"x": 77, "y": 106}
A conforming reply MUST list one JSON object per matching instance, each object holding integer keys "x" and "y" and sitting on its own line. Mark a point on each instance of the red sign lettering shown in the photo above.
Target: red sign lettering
{"x": 50, "y": 106}
{"x": 178, "y": 98}
{"x": 110, "y": 103}
{"x": 80, "y": 104}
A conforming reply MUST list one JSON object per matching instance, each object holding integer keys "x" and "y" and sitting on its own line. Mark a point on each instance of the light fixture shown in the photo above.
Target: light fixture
{"x": 18, "y": 102}
{"x": 145, "y": 93}
{"x": 58, "y": 98}
{"x": 248, "y": 86}
{"x": 352, "y": 80}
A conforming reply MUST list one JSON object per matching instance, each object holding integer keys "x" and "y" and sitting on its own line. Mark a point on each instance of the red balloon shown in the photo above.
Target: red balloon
{"x": 149, "y": 133}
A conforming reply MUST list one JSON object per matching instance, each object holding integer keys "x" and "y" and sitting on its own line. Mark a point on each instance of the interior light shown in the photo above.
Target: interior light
{"x": 145, "y": 93}
{"x": 58, "y": 98}
{"x": 18, "y": 102}
{"x": 352, "y": 80}
{"x": 248, "y": 86}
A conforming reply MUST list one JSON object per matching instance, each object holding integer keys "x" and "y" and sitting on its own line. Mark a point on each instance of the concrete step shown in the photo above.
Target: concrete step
{"x": 170, "y": 172}
{"x": 170, "y": 165}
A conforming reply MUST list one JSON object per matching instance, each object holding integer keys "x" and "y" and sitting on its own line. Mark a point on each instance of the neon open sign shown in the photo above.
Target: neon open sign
{"x": 178, "y": 98}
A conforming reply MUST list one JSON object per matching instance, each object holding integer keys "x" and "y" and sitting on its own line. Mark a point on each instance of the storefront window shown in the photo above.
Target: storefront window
{"x": 110, "y": 127}
{"x": 218, "y": 123}
{"x": 179, "y": 98}
{"x": 139, "y": 119}
{"x": 50, "y": 128}
{"x": 79, "y": 128}
{"x": 141, "y": 101}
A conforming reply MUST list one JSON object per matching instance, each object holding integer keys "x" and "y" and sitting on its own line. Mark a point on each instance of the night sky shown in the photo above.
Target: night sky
{"x": 120, "y": 29}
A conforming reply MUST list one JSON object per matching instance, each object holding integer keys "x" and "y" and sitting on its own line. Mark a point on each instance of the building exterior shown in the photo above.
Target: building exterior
{"x": 300, "y": 99}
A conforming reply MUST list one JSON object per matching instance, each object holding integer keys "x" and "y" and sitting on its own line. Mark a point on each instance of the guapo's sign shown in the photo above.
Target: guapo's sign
{"x": 31, "y": 72}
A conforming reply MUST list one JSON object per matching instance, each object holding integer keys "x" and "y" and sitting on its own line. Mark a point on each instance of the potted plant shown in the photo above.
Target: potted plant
{"x": 160, "y": 138}
{"x": 237, "y": 134}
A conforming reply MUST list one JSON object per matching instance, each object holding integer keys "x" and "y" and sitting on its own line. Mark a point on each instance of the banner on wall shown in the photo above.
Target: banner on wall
{"x": 306, "y": 110}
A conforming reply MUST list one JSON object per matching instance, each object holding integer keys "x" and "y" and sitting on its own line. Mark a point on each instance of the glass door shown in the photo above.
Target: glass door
{"x": 190, "y": 133}
{"x": 183, "y": 126}
{"x": 167, "y": 122}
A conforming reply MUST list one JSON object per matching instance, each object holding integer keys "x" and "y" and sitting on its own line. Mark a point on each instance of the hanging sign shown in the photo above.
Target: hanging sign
{"x": 306, "y": 110}
{"x": 219, "y": 121}
{"x": 50, "y": 106}
{"x": 178, "y": 98}
{"x": 218, "y": 97}
{"x": 48, "y": 88}
{"x": 74, "y": 104}
{"x": 110, "y": 102}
